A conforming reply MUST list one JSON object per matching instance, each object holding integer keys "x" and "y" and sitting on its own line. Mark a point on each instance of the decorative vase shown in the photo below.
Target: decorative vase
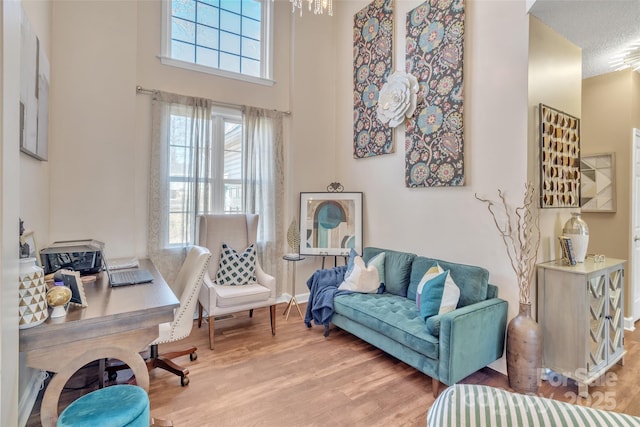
{"x": 32, "y": 291}
{"x": 578, "y": 231}
{"x": 524, "y": 351}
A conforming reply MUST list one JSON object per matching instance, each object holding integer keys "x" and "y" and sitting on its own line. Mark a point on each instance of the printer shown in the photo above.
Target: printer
{"x": 84, "y": 256}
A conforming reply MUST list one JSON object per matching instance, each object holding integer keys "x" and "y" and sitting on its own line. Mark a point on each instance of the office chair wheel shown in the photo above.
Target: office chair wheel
{"x": 193, "y": 356}
{"x": 184, "y": 381}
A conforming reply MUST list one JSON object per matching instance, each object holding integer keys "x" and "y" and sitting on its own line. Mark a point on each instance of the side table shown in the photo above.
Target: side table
{"x": 292, "y": 258}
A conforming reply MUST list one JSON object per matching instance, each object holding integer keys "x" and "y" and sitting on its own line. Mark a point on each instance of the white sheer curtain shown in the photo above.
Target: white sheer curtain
{"x": 181, "y": 126}
{"x": 264, "y": 182}
{"x": 179, "y": 189}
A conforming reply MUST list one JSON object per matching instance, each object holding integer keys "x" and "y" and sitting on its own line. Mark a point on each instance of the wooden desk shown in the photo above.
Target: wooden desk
{"x": 118, "y": 323}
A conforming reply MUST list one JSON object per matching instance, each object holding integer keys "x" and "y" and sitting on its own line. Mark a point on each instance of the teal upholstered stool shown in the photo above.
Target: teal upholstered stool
{"x": 115, "y": 406}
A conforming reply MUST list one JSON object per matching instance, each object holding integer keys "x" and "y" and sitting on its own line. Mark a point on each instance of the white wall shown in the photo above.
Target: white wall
{"x": 448, "y": 223}
{"x": 101, "y": 128}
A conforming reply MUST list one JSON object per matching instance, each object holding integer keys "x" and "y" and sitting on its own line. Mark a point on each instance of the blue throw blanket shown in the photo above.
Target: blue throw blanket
{"x": 323, "y": 287}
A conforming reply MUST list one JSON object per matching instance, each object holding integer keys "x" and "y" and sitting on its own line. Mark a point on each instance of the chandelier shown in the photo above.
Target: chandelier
{"x": 627, "y": 58}
{"x": 319, "y": 6}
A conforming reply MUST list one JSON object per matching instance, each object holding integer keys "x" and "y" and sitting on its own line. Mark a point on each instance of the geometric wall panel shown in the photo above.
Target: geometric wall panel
{"x": 598, "y": 178}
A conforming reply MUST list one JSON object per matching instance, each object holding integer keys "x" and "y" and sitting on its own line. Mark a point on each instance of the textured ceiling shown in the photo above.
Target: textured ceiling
{"x": 600, "y": 27}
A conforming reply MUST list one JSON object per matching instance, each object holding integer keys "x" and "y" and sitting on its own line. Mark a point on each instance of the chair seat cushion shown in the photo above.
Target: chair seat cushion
{"x": 115, "y": 406}
{"x": 229, "y": 296}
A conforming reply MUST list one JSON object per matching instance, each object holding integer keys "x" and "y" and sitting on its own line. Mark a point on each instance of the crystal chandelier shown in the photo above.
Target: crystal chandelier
{"x": 627, "y": 58}
{"x": 319, "y": 6}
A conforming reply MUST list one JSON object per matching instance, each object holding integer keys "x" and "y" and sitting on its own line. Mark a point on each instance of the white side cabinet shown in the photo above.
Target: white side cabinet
{"x": 580, "y": 309}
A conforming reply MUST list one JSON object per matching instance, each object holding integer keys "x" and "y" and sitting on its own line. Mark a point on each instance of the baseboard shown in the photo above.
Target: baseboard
{"x": 301, "y": 298}
{"x": 629, "y": 324}
{"x": 28, "y": 398}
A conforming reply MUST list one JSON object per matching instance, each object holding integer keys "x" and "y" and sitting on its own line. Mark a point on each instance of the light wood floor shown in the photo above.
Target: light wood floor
{"x": 300, "y": 378}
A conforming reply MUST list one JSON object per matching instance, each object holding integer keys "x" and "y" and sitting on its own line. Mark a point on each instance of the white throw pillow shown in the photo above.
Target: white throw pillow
{"x": 362, "y": 278}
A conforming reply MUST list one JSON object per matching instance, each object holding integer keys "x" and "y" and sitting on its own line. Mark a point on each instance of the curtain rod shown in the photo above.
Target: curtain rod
{"x": 141, "y": 90}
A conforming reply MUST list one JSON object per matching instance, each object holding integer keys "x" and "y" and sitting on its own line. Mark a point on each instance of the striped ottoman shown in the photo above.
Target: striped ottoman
{"x": 477, "y": 405}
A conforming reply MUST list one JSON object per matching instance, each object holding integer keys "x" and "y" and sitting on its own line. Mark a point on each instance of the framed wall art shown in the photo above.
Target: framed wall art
{"x": 559, "y": 159}
{"x": 598, "y": 183}
{"x": 34, "y": 93}
{"x": 29, "y": 238}
{"x": 330, "y": 223}
{"x": 72, "y": 281}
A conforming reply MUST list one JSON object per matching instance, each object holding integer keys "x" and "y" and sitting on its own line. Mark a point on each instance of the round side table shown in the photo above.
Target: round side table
{"x": 292, "y": 258}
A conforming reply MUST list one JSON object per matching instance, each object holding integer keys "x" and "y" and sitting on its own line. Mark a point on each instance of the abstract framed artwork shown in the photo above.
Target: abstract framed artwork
{"x": 372, "y": 64}
{"x": 598, "y": 183}
{"x": 559, "y": 158}
{"x": 330, "y": 223}
{"x": 434, "y": 55}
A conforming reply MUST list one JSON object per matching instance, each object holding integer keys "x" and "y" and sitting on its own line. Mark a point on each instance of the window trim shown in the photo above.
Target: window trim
{"x": 266, "y": 61}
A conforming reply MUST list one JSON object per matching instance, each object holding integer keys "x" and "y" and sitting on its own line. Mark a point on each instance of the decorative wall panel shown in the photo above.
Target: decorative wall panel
{"x": 559, "y": 159}
{"x": 434, "y": 135}
{"x": 372, "y": 64}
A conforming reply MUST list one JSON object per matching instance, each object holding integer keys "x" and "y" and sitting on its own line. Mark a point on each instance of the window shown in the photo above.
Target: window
{"x": 220, "y": 186}
{"x": 231, "y": 38}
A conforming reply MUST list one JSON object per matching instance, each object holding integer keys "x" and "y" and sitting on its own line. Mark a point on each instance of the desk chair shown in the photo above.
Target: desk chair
{"x": 238, "y": 231}
{"x": 187, "y": 285}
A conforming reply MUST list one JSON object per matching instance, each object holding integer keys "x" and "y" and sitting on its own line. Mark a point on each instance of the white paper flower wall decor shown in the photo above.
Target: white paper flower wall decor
{"x": 398, "y": 98}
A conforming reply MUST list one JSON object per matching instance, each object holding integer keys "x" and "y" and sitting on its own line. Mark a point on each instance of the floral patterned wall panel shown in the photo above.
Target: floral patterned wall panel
{"x": 372, "y": 63}
{"x": 434, "y": 135}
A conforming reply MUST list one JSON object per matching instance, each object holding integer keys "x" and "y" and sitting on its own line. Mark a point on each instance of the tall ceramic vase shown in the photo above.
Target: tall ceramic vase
{"x": 32, "y": 290}
{"x": 524, "y": 351}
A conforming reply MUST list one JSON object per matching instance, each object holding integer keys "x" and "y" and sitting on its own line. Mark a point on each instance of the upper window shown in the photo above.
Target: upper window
{"x": 226, "y": 37}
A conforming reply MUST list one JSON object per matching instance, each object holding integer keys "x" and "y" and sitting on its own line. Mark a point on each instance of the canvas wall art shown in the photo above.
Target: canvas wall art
{"x": 559, "y": 158}
{"x": 34, "y": 93}
{"x": 434, "y": 135}
{"x": 372, "y": 64}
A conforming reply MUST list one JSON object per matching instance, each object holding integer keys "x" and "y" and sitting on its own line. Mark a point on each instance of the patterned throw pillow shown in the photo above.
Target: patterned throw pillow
{"x": 430, "y": 274}
{"x": 236, "y": 269}
{"x": 440, "y": 295}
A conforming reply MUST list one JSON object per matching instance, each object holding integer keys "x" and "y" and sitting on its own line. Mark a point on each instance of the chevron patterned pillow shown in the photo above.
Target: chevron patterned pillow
{"x": 236, "y": 269}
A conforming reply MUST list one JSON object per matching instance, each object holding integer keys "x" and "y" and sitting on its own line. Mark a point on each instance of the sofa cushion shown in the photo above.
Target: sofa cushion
{"x": 472, "y": 281}
{"x": 391, "y": 315}
{"x": 397, "y": 269}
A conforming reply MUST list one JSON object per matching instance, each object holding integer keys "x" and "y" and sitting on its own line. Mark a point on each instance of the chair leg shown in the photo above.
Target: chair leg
{"x": 200, "y": 309}
{"x": 251, "y": 312}
{"x": 163, "y": 361}
{"x": 272, "y": 309}
{"x": 211, "y": 320}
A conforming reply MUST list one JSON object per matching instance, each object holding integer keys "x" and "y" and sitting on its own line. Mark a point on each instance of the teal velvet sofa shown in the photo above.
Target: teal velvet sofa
{"x": 446, "y": 347}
